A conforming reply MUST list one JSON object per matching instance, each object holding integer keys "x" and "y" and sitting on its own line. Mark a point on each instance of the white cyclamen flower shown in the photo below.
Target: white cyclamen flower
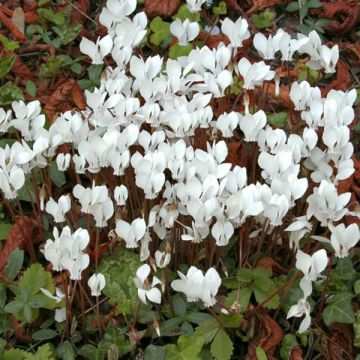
{"x": 254, "y": 74}
{"x": 96, "y": 283}
{"x": 96, "y": 51}
{"x": 196, "y": 286}
{"x": 298, "y": 230}
{"x": 184, "y": 31}
{"x": 236, "y": 32}
{"x": 145, "y": 289}
{"x": 58, "y": 209}
{"x": 194, "y": 5}
{"x": 344, "y": 238}
{"x": 121, "y": 195}
{"x": 162, "y": 258}
{"x": 252, "y": 124}
{"x": 311, "y": 265}
{"x": 131, "y": 234}
{"x": 63, "y": 161}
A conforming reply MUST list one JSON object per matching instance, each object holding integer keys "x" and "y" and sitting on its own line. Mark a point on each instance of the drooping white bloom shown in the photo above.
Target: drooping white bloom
{"x": 236, "y": 32}
{"x": 303, "y": 94}
{"x": 184, "y": 31}
{"x": 222, "y": 231}
{"x": 197, "y": 287}
{"x": 12, "y": 181}
{"x": 298, "y": 230}
{"x": 325, "y": 203}
{"x": 194, "y": 5}
{"x": 227, "y": 123}
{"x": 95, "y": 201}
{"x": 116, "y": 11}
{"x": 145, "y": 289}
{"x": 162, "y": 258}
{"x": 288, "y": 46}
{"x": 344, "y": 238}
{"x": 96, "y": 283}
{"x": 63, "y": 161}
{"x": 303, "y": 306}
{"x": 131, "y": 233}
{"x": 120, "y": 195}
{"x": 267, "y": 47}
{"x": 311, "y": 265}
{"x": 58, "y": 209}
{"x": 66, "y": 252}
{"x": 96, "y": 51}
{"x": 254, "y": 74}
{"x": 251, "y": 125}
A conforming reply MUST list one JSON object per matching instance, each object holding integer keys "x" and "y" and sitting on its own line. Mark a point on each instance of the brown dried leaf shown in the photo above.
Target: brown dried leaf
{"x": 296, "y": 353}
{"x": 25, "y": 229}
{"x": 161, "y": 7}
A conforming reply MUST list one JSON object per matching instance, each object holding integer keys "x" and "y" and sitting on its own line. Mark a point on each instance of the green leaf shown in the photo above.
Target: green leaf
{"x": 154, "y": 352}
{"x": 207, "y": 330}
{"x": 57, "y": 176}
{"x": 260, "y": 353}
{"x": 357, "y": 330}
{"x": 288, "y": 343}
{"x": 293, "y": 6}
{"x": 2, "y": 294}
{"x": 44, "y": 334}
{"x": 279, "y": 119}
{"x": 221, "y": 9}
{"x": 339, "y": 309}
{"x": 67, "y": 32}
{"x": 119, "y": 271}
{"x": 160, "y": 29}
{"x": 14, "y": 306}
{"x": 44, "y": 352}
{"x": 184, "y": 13}
{"x": 35, "y": 277}
{"x": 314, "y": 4}
{"x": 357, "y": 287}
{"x": 187, "y": 348}
{"x": 65, "y": 351}
{"x": 15, "y": 263}
{"x": 222, "y": 347}
{"x": 179, "y": 305}
{"x": 8, "y": 45}
{"x": 4, "y": 231}
{"x": 50, "y": 69}
{"x": 263, "y": 20}
{"x": 31, "y": 88}
{"x": 6, "y": 64}
{"x": 48, "y": 15}
{"x": 9, "y": 93}
{"x": 90, "y": 352}
{"x": 231, "y": 321}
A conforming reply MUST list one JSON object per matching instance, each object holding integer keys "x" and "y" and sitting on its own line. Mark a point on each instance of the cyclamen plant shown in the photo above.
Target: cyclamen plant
{"x": 154, "y": 165}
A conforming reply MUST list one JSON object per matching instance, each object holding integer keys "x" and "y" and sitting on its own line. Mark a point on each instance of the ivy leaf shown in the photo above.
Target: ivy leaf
{"x": 222, "y": 346}
{"x": 15, "y": 263}
{"x": 288, "y": 343}
{"x": 339, "y": 309}
{"x": 160, "y": 29}
{"x": 9, "y": 93}
{"x": 184, "y": 13}
{"x": 44, "y": 334}
{"x": 67, "y": 32}
{"x": 221, "y": 9}
{"x": 48, "y": 15}
{"x": 6, "y": 64}
{"x": 279, "y": 119}
{"x": 263, "y": 20}
{"x": 260, "y": 353}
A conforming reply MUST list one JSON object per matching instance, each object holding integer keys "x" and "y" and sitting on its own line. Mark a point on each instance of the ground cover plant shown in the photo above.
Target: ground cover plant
{"x": 179, "y": 179}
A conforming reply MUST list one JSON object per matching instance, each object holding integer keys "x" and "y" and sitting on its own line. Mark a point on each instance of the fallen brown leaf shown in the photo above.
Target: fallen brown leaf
{"x": 161, "y": 7}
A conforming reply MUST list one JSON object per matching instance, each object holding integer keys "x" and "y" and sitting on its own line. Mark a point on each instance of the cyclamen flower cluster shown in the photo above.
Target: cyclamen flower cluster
{"x": 143, "y": 117}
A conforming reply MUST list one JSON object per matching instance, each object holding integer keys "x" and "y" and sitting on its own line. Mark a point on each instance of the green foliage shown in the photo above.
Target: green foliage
{"x": 184, "y": 13}
{"x": 260, "y": 353}
{"x": 119, "y": 271}
{"x": 263, "y": 20}
{"x": 177, "y": 51}
{"x": 8, "y": 45}
{"x": 253, "y": 281}
{"x": 279, "y": 119}
{"x": 187, "y": 348}
{"x": 94, "y": 73}
{"x": 44, "y": 352}
{"x": 221, "y": 9}
{"x": 303, "y": 7}
{"x": 339, "y": 309}
{"x": 4, "y": 230}
{"x": 288, "y": 343}
{"x": 28, "y": 296}
{"x": 357, "y": 330}
{"x": 6, "y": 64}
{"x": 9, "y": 93}
{"x": 31, "y": 88}
{"x": 15, "y": 263}
{"x": 160, "y": 30}
{"x": 154, "y": 352}
{"x": 50, "y": 69}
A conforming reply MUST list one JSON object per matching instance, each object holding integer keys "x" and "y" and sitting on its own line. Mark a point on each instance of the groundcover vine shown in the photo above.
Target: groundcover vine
{"x": 194, "y": 204}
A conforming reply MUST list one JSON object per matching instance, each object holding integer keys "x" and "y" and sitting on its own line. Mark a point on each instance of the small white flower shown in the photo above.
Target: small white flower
{"x": 96, "y": 283}
{"x": 145, "y": 289}
{"x": 121, "y": 195}
{"x": 236, "y": 32}
{"x": 63, "y": 161}
{"x": 298, "y": 310}
{"x": 251, "y": 125}
{"x": 344, "y": 238}
{"x": 184, "y": 31}
{"x": 96, "y": 51}
{"x": 58, "y": 209}
{"x": 298, "y": 230}
{"x": 162, "y": 258}
{"x": 131, "y": 234}
{"x": 311, "y": 265}
{"x": 194, "y": 5}
{"x": 60, "y": 314}
{"x": 196, "y": 286}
